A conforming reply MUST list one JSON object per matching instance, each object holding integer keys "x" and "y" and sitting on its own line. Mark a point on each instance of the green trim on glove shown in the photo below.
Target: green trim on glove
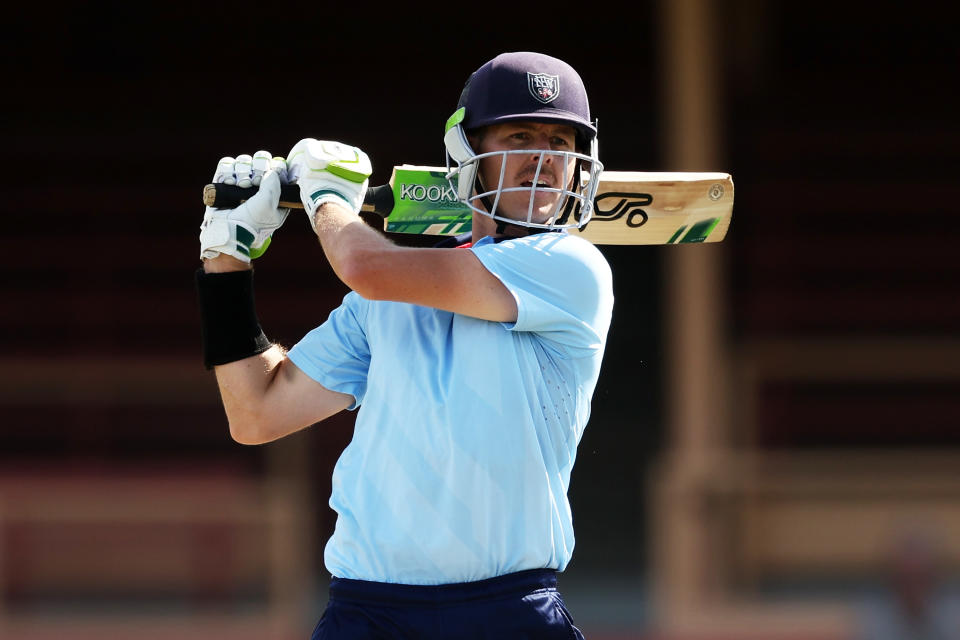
{"x": 256, "y": 253}
{"x": 244, "y": 240}
{"x": 346, "y": 174}
{"x": 327, "y": 192}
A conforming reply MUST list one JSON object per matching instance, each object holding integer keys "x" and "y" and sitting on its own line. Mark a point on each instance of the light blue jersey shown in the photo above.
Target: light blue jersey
{"x": 467, "y": 430}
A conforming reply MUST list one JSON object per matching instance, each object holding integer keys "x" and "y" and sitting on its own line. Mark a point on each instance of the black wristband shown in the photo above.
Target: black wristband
{"x": 228, "y": 318}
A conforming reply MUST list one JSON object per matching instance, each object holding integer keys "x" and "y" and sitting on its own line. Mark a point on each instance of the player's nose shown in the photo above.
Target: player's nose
{"x": 538, "y": 153}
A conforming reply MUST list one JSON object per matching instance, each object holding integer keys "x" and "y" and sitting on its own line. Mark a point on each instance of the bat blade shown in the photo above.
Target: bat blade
{"x": 633, "y": 207}
{"x": 630, "y": 207}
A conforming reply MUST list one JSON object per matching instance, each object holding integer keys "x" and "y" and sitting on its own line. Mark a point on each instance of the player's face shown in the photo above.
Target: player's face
{"x": 522, "y": 167}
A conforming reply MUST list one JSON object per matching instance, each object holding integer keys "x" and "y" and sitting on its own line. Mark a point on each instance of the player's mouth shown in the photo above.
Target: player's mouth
{"x": 530, "y": 177}
{"x": 540, "y": 183}
{"x": 545, "y": 179}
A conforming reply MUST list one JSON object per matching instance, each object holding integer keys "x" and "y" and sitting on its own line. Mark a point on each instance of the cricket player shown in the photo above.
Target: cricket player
{"x": 471, "y": 367}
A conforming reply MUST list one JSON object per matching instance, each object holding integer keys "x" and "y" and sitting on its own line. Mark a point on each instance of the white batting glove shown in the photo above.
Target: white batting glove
{"x": 245, "y": 232}
{"x": 328, "y": 171}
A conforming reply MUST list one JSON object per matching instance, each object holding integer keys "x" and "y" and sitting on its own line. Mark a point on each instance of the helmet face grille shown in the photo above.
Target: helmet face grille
{"x": 573, "y": 204}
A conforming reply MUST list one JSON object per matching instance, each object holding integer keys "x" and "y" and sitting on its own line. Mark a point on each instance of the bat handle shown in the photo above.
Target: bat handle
{"x": 378, "y": 199}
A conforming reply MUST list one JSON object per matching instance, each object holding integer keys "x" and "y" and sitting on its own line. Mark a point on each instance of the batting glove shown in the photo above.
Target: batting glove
{"x": 245, "y": 232}
{"x": 328, "y": 171}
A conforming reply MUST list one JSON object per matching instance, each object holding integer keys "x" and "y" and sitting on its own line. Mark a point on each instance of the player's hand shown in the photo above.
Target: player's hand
{"x": 245, "y": 232}
{"x": 328, "y": 171}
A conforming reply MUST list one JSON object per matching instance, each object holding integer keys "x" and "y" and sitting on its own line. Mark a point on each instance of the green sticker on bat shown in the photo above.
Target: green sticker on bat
{"x": 698, "y": 232}
{"x": 426, "y": 203}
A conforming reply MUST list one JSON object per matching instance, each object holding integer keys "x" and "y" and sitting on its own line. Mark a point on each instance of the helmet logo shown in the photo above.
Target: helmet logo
{"x": 543, "y": 86}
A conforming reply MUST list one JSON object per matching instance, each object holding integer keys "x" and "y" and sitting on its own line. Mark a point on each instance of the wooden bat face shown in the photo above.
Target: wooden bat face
{"x": 629, "y": 207}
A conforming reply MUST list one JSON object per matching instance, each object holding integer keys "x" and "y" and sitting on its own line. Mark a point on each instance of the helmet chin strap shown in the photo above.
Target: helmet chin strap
{"x": 502, "y": 228}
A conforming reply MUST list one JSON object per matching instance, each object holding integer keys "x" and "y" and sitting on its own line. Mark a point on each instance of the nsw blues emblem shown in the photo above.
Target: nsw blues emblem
{"x": 543, "y": 86}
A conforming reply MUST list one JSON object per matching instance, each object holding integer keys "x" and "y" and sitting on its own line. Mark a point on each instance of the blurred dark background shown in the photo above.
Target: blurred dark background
{"x": 838, "y": 122}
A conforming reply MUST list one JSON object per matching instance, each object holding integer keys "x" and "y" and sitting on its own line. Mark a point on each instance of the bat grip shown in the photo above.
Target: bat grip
{"x": 378, "y": 199}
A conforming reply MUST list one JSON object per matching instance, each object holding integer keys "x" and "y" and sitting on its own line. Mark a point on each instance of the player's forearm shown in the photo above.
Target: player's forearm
{"x": 351, "y": 246}
{"x": 377, "y": 269}
{"x": 234, "y": 345}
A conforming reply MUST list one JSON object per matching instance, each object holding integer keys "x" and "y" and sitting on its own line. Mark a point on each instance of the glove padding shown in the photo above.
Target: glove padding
{"x": 328, "y": 171}
{"x": 245, "y": 232}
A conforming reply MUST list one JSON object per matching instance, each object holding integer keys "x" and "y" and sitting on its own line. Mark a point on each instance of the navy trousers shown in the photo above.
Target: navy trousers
{"x": 524, "y": 605}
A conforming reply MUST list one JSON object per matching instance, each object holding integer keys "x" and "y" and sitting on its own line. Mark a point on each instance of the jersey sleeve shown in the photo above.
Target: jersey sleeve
{"x": 562, "y": 285}
{"x": 337, "y": 354}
